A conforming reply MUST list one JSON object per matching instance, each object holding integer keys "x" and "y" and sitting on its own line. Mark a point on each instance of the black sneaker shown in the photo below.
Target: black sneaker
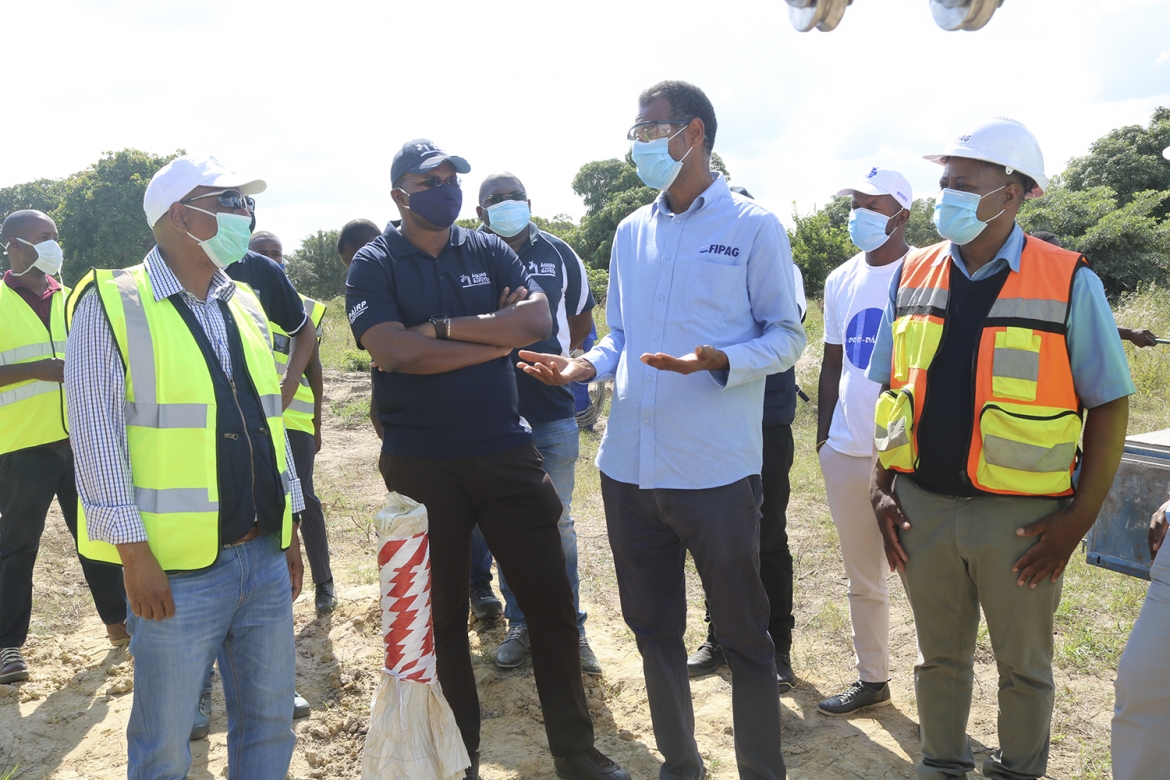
{"x": 325, "y": 601}
{"x": 785, "y": 677}
{"x": 858, "y": 696}
{"x": 706, "y": 659}
{"x": 472, "y": 772}
{"x": 589, "y": 662}
{"x": 484, "y": 603}
{"x": 202, "y": 725}
{"x": 13, "y": 667}
{"x": 589, "y": 764}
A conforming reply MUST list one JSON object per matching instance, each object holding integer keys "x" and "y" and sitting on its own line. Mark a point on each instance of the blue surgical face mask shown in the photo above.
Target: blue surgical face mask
{"x": 954, "y": 215}
{"x": 867, "y": 229}
{"x": 508, "y": 217}
{"x": 230, "y": 242}
{"x": 656, "y": 168}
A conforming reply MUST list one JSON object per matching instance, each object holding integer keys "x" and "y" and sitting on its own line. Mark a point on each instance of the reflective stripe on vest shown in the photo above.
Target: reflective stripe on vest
{"x": 1027, "y": 420}
{"x": 33, "y": 411}
{"x": 171, "y": 417}
{"x": 301, "y": 411}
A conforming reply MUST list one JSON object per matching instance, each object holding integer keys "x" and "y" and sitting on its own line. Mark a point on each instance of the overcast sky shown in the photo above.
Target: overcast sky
{"x": 315, "y": 97}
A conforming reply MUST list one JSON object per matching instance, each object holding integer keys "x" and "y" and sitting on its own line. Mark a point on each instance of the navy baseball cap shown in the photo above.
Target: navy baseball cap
{"x": 421, "y": 155}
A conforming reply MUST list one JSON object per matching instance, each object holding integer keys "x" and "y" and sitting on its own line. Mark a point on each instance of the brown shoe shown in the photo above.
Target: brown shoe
{"x": 12, "y": 665}
{"x": 118, "y": 634}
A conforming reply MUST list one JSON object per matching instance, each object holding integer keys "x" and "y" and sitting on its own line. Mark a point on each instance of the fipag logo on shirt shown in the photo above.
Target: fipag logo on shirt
{"x": 474, "y": 280}
{"x": 720, "y": 249}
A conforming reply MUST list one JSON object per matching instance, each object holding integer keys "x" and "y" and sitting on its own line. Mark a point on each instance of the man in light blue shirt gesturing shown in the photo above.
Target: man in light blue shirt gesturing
{"x": 701, "y": 308}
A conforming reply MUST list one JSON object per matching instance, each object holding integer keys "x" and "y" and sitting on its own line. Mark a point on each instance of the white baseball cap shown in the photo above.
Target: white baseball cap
{"x": 883, "y": 181}
{"x": 1166, "y": 152}
{"x": 177, "y": 178}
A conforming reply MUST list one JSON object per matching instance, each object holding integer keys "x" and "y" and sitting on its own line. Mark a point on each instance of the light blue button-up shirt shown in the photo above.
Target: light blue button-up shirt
{"x": 1099, "y": 367}
{"x": 720, "y": 274}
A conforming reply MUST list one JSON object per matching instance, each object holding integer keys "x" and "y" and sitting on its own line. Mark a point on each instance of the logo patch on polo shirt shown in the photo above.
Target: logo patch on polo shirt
{"x": 358, "y": 310}
{"x": 474, "y": 280}
{"x": 542, "y": 269}
{"x": 720, "y": 249}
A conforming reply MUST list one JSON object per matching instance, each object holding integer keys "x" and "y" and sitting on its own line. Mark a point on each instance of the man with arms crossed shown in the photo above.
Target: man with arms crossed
{"x": 855, "y": 297}
{"x": 440, "y": 309}
{"x": 701, "y": 309}
{"x": 992, "y": 345}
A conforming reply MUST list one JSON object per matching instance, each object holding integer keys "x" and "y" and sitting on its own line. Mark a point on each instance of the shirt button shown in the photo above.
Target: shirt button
{"x": 667, "y": 258}
{"x": 662, "y": 297}
{"x": 647, "y": 421}
{"x": 649, "y": 378}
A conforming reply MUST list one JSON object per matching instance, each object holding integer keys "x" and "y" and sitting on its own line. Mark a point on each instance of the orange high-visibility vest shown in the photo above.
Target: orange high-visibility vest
{"x": 1027, "y": 421}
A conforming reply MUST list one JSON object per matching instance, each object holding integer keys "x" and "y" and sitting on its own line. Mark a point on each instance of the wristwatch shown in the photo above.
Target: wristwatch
{"x": 442, "y": 325}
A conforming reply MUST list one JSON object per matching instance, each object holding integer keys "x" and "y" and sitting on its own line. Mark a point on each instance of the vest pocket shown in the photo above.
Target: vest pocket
{"x": 915, "y": 344}
{"x": 1027, "y": 449}
{"x": 1015, "y": 369}
{"x": 893, "y": 430}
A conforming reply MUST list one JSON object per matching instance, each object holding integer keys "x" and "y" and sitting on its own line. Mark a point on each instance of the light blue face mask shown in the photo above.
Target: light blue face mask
{"x": 954, "y": 215}
{"x": 508, "y": 217}
{"x": 230, "y": 242}
{"x": 867, "y": 229}
{"x": 656, "y": 168}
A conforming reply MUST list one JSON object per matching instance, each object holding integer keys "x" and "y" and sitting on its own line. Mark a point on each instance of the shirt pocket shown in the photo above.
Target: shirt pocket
{"x": 715, "y": 291}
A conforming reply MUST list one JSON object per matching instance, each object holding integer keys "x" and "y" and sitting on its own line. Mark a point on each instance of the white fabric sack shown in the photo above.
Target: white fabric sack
{"x": 413, "y": 734}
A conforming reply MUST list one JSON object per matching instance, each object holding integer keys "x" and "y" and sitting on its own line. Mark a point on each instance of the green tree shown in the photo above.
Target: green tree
{"x": 100, "y": 217}
{"x": 1128, "y": 160}
{"x": 818, "y": 246}
{"x": 315, "y": 269}
{"x": 920, "y": 230}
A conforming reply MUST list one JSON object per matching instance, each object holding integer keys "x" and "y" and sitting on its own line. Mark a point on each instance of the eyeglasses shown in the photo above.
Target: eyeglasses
{"x": 500, "y": 197}
{"x": 431, "y": 182}
{"x": 652, "y": 131}
{"x": 229, "y": 199}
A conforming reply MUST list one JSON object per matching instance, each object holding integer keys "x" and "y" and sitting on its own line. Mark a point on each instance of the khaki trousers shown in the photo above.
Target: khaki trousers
{"x": 847, "y": 489}
{"x": 1141, "y": 720}
{"x": 961, "y": 552}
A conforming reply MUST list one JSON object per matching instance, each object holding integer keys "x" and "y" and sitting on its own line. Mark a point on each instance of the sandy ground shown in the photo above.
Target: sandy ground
{"x": 69, "y": 719}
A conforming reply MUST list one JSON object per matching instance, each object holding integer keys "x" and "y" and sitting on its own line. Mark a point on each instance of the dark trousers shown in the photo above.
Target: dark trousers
{"x": 304, "y": 450}
{"x": 650, "y": 532}
{"x": 775, "y": 558}
{"x": 516, "y": 507}
{"x": 28, "y": 481}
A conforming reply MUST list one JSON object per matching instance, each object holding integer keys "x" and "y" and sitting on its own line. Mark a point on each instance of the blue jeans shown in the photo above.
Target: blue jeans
{"x": 239, "y": 610}
{"x": 559, "y": 444}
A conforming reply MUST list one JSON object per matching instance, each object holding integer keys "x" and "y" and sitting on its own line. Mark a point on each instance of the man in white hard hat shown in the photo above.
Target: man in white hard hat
{"x": 855, "y": 297}
{"x": 992, "y": 347}
{"x": 1141, "y": 718}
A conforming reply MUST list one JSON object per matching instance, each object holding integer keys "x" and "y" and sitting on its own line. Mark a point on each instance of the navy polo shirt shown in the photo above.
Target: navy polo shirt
{"x": 268, "y": 280}
{"x": 561, "y": 275}
{"x": 464, "y": 413}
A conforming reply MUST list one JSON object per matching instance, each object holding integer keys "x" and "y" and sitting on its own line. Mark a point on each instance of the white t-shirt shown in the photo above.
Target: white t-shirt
{"x": 856, "y": 295}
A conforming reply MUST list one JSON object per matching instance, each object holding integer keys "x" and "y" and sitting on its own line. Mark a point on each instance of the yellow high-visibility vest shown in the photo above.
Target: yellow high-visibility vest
{"x": 171, "y": 417}
{"x": 299, "y": 414}
{"x": 31, "y": 412}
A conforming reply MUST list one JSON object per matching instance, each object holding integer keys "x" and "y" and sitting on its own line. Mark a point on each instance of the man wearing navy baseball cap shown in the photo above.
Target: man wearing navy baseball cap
{"x": 440, "y": 309}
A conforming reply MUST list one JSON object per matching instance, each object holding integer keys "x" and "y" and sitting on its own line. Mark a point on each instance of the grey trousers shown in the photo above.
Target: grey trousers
{"x": 961, "y": 552}
{"x": 650, "y": 532}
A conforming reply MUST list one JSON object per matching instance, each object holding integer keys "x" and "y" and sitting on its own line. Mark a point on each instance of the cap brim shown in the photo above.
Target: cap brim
{"x": 865, "y": 188}
{"x": 460, "y": 164}
{"x": 232, "y": 181}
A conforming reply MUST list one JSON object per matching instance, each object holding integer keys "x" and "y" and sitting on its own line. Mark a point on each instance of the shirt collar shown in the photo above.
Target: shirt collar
{"x": 715, "y": 192}
{"x": 1010, "y": 252}
{"x": 165, "y": 284}
{"x": 17, "y": 283}
{"x": 533, "y": 236}
{"x": 398, "y": 244}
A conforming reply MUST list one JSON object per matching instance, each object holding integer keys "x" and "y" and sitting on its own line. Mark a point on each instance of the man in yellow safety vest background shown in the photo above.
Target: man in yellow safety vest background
{"x": 36, "y": 460}
{"x": 185, "y": 476}
{"x": 992, "y": 347}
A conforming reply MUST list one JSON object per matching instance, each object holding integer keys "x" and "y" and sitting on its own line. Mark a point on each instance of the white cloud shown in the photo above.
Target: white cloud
{"x": 317, "y": 97}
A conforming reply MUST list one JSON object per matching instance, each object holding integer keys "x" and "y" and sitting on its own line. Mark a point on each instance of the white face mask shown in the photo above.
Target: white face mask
{"x": 49, "y": 257}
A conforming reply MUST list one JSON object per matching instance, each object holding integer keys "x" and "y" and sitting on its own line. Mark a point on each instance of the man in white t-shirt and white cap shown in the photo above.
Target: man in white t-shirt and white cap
{"x": 855, "y": 297}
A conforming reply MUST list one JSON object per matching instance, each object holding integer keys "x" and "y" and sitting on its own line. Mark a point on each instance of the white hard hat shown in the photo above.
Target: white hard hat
{"x": 1004, "y": 142}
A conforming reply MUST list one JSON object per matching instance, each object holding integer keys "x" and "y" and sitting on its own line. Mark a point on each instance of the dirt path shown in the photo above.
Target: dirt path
{"x": 69, "y": 720}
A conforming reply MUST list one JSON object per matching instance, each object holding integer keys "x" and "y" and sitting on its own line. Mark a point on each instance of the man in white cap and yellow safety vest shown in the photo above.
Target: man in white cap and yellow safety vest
{"x": 185, "y": 475}
{"x": 992, "y": 347}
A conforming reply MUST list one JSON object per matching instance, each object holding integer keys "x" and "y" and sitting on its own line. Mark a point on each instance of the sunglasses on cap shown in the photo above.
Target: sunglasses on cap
{"x": 229, "y": 199}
